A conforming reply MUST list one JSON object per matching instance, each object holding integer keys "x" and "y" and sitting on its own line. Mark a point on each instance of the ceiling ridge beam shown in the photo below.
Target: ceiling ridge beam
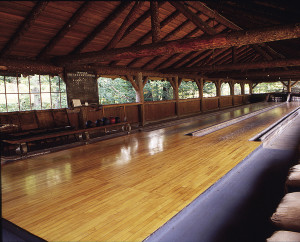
{"x": 126, "y": 23}
{"x": 24, "y": 27}
{"x": 64, "y": 30}
{"x": 100, "y": 27}
{"x": 180, "y": 6}
{"x": 237, "y": 38}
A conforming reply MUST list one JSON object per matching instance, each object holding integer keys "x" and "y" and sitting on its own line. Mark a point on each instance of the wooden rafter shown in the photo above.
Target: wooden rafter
{"x": 24, "y": 27}
{"x": 213, "y": 14}
{"x": 155, "y": 23}
{"x": 64, "y": 30}
{"x": 141, "y": 40}
{"x": 139, "y": 21}
{"x": 262, "y": 74}
{"x": 238, "y": 38}
{"x": 246, "y": 66}
{"x": 170, "y": 35}
{"x": 193, "y": 17}
{"x": 126, "y": 23}
{"x": 104, "y": 24}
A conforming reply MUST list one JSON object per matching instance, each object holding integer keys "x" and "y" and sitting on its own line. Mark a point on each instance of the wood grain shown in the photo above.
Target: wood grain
{"x": 125, "y": 188}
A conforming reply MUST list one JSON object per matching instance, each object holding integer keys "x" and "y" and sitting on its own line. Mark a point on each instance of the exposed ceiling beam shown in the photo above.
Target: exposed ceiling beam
{"x": 126, "y": 23}
{"x": 24, "y": 27}
{"x": 100, "y": 27}
{"x": 139, "y": 21}
{"x": 244, "y": 66}
{"x": 64, "y": 30}
{"x": 193, "y": 17}
{"x": 257, "y": 74}
{"x": 155, "y": 23}
{"x": 237, "y": 38}
{"x": 25, "y": 66}
{"x": 213, "y": 14}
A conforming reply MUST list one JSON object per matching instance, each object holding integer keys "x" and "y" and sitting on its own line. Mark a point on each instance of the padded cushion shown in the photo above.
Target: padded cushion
{"x": 294, "y": 176}
{"x": 286, "y": 236}
{"x": 287, "y": 215}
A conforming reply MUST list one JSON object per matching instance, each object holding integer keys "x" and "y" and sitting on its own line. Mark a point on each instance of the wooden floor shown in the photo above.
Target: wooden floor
{"x": 125, "y": 188}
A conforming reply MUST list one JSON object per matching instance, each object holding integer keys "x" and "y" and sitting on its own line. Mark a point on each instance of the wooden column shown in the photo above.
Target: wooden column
{"x": 289, "y": 86}
{"x": 176, "y": 81}
{"x": 218, "y": 86}
{"x": 242, "y": 88}
{"x": 199, "y": 83}
{"x": 140, "y": 97}
{"x": 231, "y": 84}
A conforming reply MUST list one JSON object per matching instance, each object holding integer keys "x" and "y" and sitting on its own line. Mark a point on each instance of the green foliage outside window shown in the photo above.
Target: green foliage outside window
{"x": 34, "y": 92}
{"x": 115, "y": 91}
{"x": 237, "y": 89}
{"x": 267, "y": 87}
{"x": 209, "y": 89}
{"x": 188, "y": 90}
{"x": 247, "y": 89}
{"x": 225, "y": 89}
{"x": 158, "y": 91}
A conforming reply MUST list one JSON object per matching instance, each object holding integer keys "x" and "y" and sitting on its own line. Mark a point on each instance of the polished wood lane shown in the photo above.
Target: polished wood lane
{"x": 127, "y": 187}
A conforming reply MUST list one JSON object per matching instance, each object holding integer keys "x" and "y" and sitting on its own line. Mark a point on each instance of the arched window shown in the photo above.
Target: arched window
{"x": 225, "y": 89}
{"x": 158, "y": 91}
{"x": 115, "y": 91}
{"x": 267, "y": 87}
{"x": 35, "y": 92}
{"x": 237, "y": 89}
{"x": 188, "y": 89}
{"x": 247, "y": 89}
{"x": 209, "y": 89}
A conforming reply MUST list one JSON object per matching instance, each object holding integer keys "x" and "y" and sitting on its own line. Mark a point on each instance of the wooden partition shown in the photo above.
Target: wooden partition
{"x": 225, "y": 101}
{"x": 137, "y": 113}
{"x": 160, "y": 110}
{"x": 238, "y": 100}
{"x": 210, "y": 103}
{"x": 189, "y": 106}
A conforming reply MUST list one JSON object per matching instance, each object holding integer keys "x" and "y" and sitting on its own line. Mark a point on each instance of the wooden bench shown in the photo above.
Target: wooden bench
{"x": 22, "y": 139}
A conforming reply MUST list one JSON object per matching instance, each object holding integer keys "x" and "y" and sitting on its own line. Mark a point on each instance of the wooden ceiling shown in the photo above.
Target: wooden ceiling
{"x": 253, "y": 40}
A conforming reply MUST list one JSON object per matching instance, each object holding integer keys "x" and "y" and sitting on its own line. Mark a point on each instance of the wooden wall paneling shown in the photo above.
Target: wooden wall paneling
{"x": 45, "y": 119}
{"x": 189, "y": 106}
{"x": 93, "y": 114}
{"x": 159, "y": 110}
{"x": 114, "y": 111}
{"x": 61, "y": 118}
{"x": 28, "y": 120}
{"x": 73, "y": 116}
{"x": 132, "y": 113}
{"x": 210, "y": 103}
{"x": 225, "y": 101}
{"x": 238, "y": 100}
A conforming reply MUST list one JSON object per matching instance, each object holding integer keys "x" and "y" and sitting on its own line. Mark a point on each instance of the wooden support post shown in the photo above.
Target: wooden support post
{"x": 289, "y": 86}
{"x": 218, "y": 87}
{"x": 231, "y": 84}
{"x": 176, "y": 82}
{"x": 140, "y": 97}
{"x": 242, "y": 88}
{"x": 199, "y": 83}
